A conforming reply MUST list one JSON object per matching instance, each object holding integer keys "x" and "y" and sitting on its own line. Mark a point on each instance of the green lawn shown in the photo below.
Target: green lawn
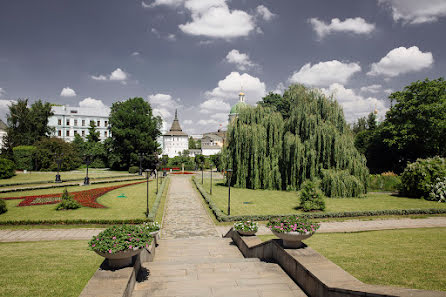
{"x": 132, "y": 207}
{"x": 49, "y": 268}
{"x": 411, "y": 258}
{"x": 266, "y": 202}
{"x": 37, "y": 176}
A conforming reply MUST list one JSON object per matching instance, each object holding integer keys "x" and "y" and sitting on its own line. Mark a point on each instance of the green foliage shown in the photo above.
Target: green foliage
{"x": 67, "y": 202}
{"x": 418, "y": 177}
{"x": 246, "y": 226}
{"x": 281, "y": 104}
{"x": 311, "y": 198}
{"x": 93, "y": 134}
{"x": 133, "y": 169}
{"x": 46, "y": 159}
{"x": 192, "y": 143}
{"x": 381, "y": 182}
{"x": 216, "y": 161}
{"x": 26, "y": 124}
{"x": 3, "y": 207}
{"x": 96, "y": 150}
{"x": 24, "y": 157}
{"x": 134, "y": 129}
{"x": 199, "y": 160}
{"x": 438, "y": 190}
{"x": 6, "y": 168}
{"x": 341, "y": 183}
{"x": 267, "y": 151}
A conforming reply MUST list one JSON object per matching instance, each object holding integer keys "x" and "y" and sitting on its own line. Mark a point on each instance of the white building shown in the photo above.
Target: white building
{"x": 212, "y": 143}
{"x": 175, "y": 141}
{"x": 69, "y": 121}
{"x": 2, "y": 133}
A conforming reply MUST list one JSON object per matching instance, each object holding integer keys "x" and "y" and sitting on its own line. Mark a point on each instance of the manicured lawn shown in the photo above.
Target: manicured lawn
{"x": 412, "y": 258}
{"x": 49, "y": 268}
{"x": 265, "y": 202}
{"x": 132, "y": 207}
{"x": 37, "y": 176}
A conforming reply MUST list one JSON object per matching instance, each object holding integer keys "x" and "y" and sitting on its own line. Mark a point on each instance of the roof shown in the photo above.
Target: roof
{"x": 175, "y": 129}
{"x": 81, "y": 111}
{"x": 236, "y": 108}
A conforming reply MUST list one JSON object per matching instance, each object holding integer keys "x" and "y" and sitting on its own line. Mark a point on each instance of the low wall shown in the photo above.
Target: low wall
{"x": 315, "y": 274}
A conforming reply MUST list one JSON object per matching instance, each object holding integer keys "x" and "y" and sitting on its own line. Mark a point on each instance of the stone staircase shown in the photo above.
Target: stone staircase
{"x": 211, "y": 267}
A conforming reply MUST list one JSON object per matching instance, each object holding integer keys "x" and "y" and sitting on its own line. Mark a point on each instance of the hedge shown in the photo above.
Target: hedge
{"x": 157, "y": 202}
{"x": 6, "y": 168}
{"x": 24, "y": 157}
{"x": 221, "y": 217}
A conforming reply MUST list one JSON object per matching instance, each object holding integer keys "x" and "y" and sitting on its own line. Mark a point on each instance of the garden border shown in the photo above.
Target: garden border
{"x": 221, "y": 217}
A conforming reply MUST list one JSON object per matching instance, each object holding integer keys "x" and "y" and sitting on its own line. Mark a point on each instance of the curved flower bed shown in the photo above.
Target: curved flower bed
{"x": 86, "y": 198}
{"x": 185, "y": 172}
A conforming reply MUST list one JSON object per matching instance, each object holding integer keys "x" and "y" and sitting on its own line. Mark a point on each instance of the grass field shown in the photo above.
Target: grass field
{"x": 49, "y": 268}
{"x": 37, "y": 176}
{"x": 411, "y": 258}
{"x": 132, "y": 207}
{"x": 265, "y": 202}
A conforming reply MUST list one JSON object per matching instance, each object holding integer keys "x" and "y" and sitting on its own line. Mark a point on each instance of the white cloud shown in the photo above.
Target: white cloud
{"x": 214, "y": 19}
{"x": 241, "y": 60}
{"x": 99, "y": 77}
{"x": 155, "y": 3}
{"x": 357, "y": 26}
{"x": 188, "y": 122}
{"x": 4, "y": 107}
{"x": 171, "y": 37}
{"x": 214, "y": 105}
{"x": 402, "y": 60}
{"x": 162, "y": 112}
{"x": 325, "y": 73}
{"x": 67, "y": 92}
{"x": 135, "y": 54}
{"x": 164, "y": 100}
{"x": 265, "y": 13}
{"x": 371, "y": 89}
{"x": 2, "y": 91}
{"x": 388, "y": 91}
{"x": 229, "y": 87}
{"x": 221, "y": 117}
{"x": 280, "y": 88}
{"x": 118, "y": 74}
{"x": 93, "y": 103}
{"x": 416, "y": 11}
{"x": 207, "y": 122}
{"x": 354, "y": 105}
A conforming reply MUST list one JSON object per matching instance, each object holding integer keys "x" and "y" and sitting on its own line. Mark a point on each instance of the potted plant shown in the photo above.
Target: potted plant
{"x": 153, "y": 228}
{"x": 292, "y": 230}
{"x": 246, "y": 228}
{"x": 118, "y": 244}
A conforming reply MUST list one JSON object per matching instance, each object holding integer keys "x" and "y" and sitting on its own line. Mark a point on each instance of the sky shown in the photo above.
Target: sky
{"x": 197, "y": 55}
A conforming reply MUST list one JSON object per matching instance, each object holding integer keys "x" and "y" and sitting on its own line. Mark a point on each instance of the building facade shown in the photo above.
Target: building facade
{"x": 69, "y": 121}
{"x": 2, "y": 133}
{"x": 175, "y": 141}
{"x": 212, "y": 143}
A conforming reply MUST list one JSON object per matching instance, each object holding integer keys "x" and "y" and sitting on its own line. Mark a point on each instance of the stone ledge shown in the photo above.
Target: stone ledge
{"x": 315, "y": 274}
{"x": 120, "y": 282}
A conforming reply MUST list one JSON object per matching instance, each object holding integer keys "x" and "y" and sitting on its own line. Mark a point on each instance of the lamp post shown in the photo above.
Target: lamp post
{"x": 229, "y": 174}
{"x": 211, "y": 179}
{"x": 147, "y": 176}
{"x": 141, "y": 156}
{"x": 58, "y": 161}
{"x": 202, "y": 165}
{"x": 87, "y": 179}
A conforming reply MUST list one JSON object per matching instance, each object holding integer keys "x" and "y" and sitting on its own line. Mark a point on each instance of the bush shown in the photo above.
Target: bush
{"x": 6, "y": 168}
{"x": 3, "y": 207}
{"x": 24, "y": 157}
{"x": 46, "y": 160}
{"x": 417, "y": 178}
{"x": 340, "y": 183}
{"x": 438, "y": 190}
{"x": 134, "y": 169}
{"x": 311, "y": 197}
{"x": 384, "y": 182}
{"x": 67, "y": 202}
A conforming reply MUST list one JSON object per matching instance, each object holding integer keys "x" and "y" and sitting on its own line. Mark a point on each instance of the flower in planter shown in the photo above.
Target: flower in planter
{"x": 292, "y": 224}
{"x": 246, "y": 226}
{"x": 120, "y": 238}
{"x": 151, "y": 226}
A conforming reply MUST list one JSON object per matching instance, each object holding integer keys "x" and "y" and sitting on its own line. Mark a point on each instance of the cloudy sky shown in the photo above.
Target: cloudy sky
{"x": 195, "y": 55}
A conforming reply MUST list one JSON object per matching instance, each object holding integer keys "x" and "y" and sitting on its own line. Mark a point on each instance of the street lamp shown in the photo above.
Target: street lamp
{"x": 202, "y": 172}
{"x": 141, "y": 157}
{"x": 58, "y": 161}
{"x": 147, "y": 176}
{"x": 211, "y": 179}
{"x": 87, "y": 179}
{"x": 229, "y": 174}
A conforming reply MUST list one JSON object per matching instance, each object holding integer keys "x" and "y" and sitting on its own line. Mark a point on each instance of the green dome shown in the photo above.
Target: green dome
{"x": 236, "y": 108}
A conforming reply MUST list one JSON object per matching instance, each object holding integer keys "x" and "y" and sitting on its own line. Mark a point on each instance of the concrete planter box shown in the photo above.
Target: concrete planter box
{"x": 246, "y": 233}
{"x": 292, "y": 240}
{"x": 120, "y": 259}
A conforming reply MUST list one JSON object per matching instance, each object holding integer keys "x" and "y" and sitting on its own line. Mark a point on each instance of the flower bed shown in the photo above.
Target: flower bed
{"x": 86, "y": 198}
{"x": 185, "y": 172}
{"x": 246, "y": 226}
{"x": 292, "y": 224}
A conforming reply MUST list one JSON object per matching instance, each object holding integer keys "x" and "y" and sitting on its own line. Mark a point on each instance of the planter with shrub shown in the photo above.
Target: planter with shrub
{"x": 246, "y": 228}
{"x": 292, "y": 230}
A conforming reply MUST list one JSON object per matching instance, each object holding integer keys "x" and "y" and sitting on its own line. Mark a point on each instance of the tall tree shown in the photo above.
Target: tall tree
{"x": 134, "y": 130}
{"x": 93, "y": 134}
{"x": 192, "y": 144}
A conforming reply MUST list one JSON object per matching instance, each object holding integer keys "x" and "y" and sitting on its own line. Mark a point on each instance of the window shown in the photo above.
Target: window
{"x": 73, "y": 111}
{"x": 105, "y": 123}
{"x": 105, "y": 133}
{"x": 98, "y": 124}
{"x": 75, "y": 122}
{"x": 59, "y": 122}
{"x": 91, "y": 123}
{"x": 68, "y": 132}
{"x": 83, "y": 132}
{"x": 68, "y": 122}
{"x": 75, "y": 132}
{"x": 59, "y": 133}
{"x": 83, "y": 123}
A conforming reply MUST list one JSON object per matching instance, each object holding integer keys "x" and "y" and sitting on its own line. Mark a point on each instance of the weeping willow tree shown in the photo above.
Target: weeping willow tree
{"x": 313, "y": 142}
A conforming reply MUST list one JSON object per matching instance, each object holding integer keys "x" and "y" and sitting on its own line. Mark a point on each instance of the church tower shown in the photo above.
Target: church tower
{"x": 175, "y": 141}
{"x": 237, "y": 107}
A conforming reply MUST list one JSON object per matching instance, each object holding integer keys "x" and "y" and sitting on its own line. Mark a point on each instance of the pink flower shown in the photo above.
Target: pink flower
{"x": 114, "y": 237}
{"x": 130, "y": 247}
{"x": 93, "y": 245}
{"x": 109, "y": 251}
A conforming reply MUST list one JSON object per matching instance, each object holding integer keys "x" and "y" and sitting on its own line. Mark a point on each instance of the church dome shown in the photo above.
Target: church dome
{"x": 237, "y": 107}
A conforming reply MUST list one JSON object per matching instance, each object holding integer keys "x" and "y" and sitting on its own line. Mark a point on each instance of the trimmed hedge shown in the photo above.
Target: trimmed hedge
{"x": 157, "y": 202}
{"x": 24, "y": 157}
{"x": 134, "y": 169}
{"x": 6, "y": 168}
{"x": 221, "y": 217}
{"x": 3, "y": 207}
{"x": 380, "y": 182}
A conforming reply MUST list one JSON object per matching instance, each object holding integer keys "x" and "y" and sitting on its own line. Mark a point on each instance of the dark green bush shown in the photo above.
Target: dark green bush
{"x": 134, "y": 169}
{"x": 24, "y": 157}
{"x": 381, "y": 182}
{"x": 46, "y": 160}
{"x": 311, "y": 198}
{"x": 67, "y": 202}
{"x": 418, "y": 177}
{"x": 6, "y": 168}
{"x": 3, "y": 207}
{"x": 340, "y": 183}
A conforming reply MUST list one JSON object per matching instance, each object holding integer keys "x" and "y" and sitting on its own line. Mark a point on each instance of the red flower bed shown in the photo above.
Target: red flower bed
{"x": 86, "y": 198}
{"x": 185, "y": 172}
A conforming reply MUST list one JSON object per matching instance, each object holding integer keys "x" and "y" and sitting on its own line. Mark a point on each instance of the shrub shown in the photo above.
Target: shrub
{"x": 134, "y": 169}
{"x": 24, "y": 157}
{"x": 67, "y": 202}
{"x": 340, "y": 183}
{"x": 438, "y": 190}
{"x": 45, "y": 159}
{"x": 311, "y": 197}
{"x": 384, "y": 182}
{"x": 6, "y": 168}
{"x": 417, "y": 178}
{"x": 3, "y": 207}
{"x": 292, "y": 224}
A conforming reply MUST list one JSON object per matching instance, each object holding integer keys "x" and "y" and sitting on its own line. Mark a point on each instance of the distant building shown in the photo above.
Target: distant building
{"x": 175, "y": 141}
{"x": 2, "y": 133}
{"x": 69, "y": 121}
